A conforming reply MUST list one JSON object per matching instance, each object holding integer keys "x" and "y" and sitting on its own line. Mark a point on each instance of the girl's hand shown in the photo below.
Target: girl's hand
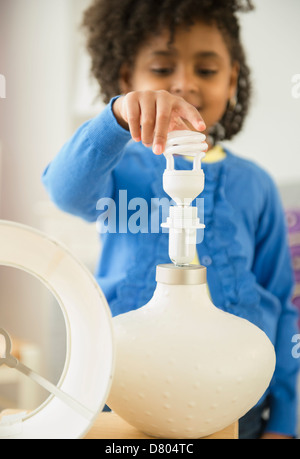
{"x": 150, "y": 115}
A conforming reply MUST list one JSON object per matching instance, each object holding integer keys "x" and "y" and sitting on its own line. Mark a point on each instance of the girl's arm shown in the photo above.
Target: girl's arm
{"x": 273, "y": 269}
{"x": 81, "y": 173}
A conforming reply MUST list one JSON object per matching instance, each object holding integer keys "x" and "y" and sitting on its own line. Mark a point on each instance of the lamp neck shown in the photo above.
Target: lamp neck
{"x": 181, "y": 275}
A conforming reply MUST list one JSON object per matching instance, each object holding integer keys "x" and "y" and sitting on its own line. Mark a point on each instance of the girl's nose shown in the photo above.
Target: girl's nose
{"x": 184, "y": 83}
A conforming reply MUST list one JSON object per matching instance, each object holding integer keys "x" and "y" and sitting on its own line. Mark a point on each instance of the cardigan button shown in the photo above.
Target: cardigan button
{"x": 206, "y": 260}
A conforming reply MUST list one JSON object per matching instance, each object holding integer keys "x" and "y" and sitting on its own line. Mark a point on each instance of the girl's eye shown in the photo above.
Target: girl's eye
{"x": 162, "y": 70}
{"x": 206, "y": 72}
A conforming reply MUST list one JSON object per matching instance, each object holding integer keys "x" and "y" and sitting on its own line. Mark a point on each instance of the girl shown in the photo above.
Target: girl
{"x": 178, "y": 64}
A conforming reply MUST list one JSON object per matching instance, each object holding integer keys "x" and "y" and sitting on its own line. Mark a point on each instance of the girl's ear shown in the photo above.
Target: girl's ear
{"x": 234, "y": 79}
{"x": 125, "y": 79}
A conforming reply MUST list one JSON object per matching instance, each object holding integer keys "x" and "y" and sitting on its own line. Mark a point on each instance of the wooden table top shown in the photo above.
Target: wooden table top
{"x": 110, "y": 426}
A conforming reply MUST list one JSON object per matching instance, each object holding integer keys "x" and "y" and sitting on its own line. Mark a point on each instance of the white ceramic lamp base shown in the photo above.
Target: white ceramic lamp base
{"x": 184, "y": 368}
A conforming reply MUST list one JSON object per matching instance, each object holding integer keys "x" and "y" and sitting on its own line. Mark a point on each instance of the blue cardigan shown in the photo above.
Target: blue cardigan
{"x": 244, "y": 248}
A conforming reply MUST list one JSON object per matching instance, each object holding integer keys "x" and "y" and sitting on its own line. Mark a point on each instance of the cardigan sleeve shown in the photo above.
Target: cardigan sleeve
{"x": 273, "y": 269}
{"x": 82, "y": 171}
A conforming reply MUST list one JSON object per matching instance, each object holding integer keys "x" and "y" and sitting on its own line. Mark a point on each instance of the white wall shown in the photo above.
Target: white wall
{"x": 271, "y": 36}
{"x": 36, "y": 38}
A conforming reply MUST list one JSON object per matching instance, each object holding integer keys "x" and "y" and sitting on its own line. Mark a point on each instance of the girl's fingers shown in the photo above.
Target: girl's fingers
{"x": 178, "y": 123}
{"x": 190, "y": 113}
{"x": 174, "y": 113}
{"x": 148, "y": 117}
{"x": 163, "y": 118}
{"x": 133, "y": 116}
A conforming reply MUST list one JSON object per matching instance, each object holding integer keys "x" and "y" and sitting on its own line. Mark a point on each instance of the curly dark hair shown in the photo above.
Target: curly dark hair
{"x": 117, "y": 28}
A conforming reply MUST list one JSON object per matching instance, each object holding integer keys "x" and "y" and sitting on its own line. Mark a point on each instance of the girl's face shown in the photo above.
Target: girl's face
{"x": 195, "y": 66}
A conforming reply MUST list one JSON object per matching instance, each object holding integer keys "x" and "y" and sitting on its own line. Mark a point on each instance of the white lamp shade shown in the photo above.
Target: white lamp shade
{"x": 89, "y": 362}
